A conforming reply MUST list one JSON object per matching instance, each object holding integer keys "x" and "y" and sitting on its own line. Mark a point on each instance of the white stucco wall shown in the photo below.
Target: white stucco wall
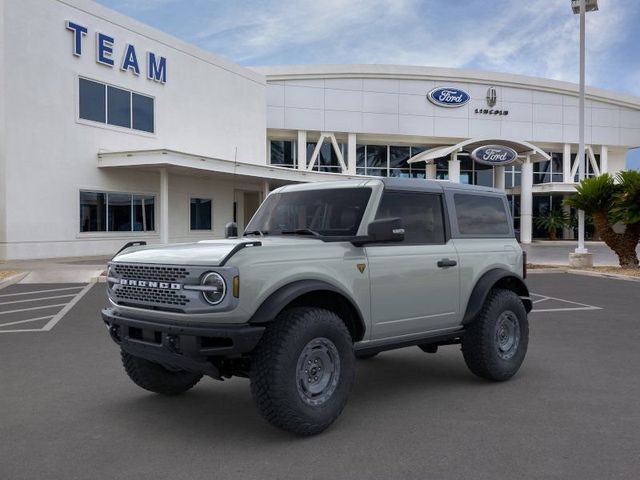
{"x": 382, "y": 99}
{"x": 208, "y": 106}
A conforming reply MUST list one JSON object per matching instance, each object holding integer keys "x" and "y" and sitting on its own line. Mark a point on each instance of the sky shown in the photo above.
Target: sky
{"x": 529, "y": 37}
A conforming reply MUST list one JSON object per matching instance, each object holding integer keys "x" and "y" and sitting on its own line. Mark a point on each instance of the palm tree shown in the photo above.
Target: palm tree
{"x": 609, "y": 202}
{"x": 552, "y": 221}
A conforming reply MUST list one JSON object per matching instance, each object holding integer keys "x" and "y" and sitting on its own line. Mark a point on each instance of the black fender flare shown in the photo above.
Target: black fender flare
{"x": 282, "y": 297}
{"x": 500, "y": 278}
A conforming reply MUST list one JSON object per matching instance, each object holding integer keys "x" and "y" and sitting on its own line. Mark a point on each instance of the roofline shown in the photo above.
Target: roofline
{"x": 413, "y": 72}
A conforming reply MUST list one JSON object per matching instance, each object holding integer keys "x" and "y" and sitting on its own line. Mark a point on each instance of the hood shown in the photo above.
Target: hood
{"x": 206, "y": 252}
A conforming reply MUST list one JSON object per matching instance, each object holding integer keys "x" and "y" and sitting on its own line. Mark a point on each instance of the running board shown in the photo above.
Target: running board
{"x": 449, "y": 338}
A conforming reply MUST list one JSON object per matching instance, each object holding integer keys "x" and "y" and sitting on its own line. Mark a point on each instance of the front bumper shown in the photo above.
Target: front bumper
{"x": 182, "y": 346}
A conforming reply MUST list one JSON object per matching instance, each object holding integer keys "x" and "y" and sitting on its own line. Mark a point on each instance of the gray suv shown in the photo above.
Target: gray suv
{"x": 325, "y": 273}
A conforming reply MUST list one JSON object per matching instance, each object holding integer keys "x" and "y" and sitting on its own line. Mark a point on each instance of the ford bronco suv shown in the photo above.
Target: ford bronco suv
{"x": 325, "y": 273}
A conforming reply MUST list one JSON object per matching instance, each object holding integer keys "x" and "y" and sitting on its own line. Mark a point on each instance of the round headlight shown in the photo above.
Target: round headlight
{"x": 216, "y": 288}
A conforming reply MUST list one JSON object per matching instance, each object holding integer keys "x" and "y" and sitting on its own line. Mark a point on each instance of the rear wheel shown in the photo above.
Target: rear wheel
{"x": 156, "y": 378}
{"x": 302, "y": 370}
{"x": 495, "y": 344}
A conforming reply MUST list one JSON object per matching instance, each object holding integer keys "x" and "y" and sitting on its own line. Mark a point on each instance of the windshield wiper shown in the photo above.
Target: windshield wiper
{"x": 256, "y": 232}
{"x": 301, "y": 231}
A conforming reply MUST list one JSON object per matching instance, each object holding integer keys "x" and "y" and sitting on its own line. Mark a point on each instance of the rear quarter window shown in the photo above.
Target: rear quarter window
{"x": 481, "y": 215}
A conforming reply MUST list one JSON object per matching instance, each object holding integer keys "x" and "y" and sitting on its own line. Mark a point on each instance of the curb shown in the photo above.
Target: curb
{"x": 574, "y": 271}
{"x": 613, "y": 276}
{"x": 12, "y": 279}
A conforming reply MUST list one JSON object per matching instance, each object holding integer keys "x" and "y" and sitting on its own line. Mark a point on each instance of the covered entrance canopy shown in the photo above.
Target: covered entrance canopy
{"x": 523, "y": 149}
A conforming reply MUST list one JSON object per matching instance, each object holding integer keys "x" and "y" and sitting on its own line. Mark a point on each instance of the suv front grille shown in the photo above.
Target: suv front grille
{"x": 148, "y": 272}
{"x": 130, "y": 294}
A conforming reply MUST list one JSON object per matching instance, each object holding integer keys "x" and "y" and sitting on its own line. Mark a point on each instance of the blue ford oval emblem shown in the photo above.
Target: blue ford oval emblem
{"x": 448, "y": 97}
{"x": 494, "y": 155}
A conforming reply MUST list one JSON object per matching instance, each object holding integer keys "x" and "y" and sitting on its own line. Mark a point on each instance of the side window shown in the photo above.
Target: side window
{"x": 481, "y": 215}
{"x": 421, "y": 215}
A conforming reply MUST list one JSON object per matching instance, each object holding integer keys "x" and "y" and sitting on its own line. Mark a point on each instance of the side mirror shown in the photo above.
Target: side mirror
{"x": 386, "y": 230}
{"x": 231, "y": 230}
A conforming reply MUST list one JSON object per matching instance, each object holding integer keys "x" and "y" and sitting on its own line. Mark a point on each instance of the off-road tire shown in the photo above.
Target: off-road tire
{"x": 481, "y": 343}
{"x": 275, "y": 382}
{"x": 156, "y": 378}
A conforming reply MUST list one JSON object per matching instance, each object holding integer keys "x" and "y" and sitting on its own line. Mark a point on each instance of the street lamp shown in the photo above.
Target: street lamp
{"x": 580, "y": 7}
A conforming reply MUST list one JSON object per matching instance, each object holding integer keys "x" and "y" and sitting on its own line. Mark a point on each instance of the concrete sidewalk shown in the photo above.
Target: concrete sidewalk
{"x": 544, "y": 252}
{"x": 58, "y": 270}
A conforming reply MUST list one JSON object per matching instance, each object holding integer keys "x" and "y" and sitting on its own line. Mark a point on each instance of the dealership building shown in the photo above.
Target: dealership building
{"x": 112, "y": 131}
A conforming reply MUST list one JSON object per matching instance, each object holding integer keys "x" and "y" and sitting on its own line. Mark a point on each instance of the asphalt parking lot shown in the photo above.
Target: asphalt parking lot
{"x": 68, "y": 411}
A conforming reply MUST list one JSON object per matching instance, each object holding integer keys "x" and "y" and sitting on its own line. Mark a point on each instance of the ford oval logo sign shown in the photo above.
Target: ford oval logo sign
{"x": 494, "y": 155}
{"x": 448, "y": 97}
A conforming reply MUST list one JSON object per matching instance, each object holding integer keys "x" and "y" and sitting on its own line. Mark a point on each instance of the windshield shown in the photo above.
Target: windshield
{"x": 330, "y": 212}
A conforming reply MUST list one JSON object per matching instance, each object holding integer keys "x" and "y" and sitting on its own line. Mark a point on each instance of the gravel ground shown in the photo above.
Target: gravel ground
{"x": 7, "y": 273}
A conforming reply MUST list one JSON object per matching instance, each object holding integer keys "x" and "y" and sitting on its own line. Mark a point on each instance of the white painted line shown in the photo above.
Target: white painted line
{"x": 38, "y": 299}
{"x": 51, "y": 323}
{"x": 541, "y": 300}
{"x": 42, "y": 291}
{"x": 573, "y": 303}
{"x": 33, "y": 308}
{"x": 568, "y": 309}
{"x": 22, "y": 331}
{"x": 23, "y": 321}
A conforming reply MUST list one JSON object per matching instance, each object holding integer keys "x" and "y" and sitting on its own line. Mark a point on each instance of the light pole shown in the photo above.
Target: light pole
{"x": 580, "y": 7}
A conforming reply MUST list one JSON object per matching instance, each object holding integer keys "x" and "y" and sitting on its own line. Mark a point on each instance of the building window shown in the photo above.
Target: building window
{"x": 283, "y": 153}
{"x": 201, "y": 213}
{"x": 116, "y": 212}
{"x": 389, "y": 161}
{"x": 512, "y": 176}
{"x": 474, "y": 173}
{"x": 111, "y": 105}
{"x": 589, "y": 170}
{"x": 327, "y": 158}
{"x": 549, "y": 171}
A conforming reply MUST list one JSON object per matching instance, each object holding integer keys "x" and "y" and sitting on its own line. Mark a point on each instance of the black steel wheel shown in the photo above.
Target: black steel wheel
{"x": 495, "y": 343}
{"x": 302, "y": 370}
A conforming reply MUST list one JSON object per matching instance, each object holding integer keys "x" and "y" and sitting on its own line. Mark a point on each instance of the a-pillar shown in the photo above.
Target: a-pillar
{"x": 454, "y": 168}
{"x": 526, "y": 202}
{"x": 302, "y": 150}
{"x": 164, "y": 206}
{"x": 351, "y": 153}
{"x": 432, "y": 171}
{"x": 498, "y": 177}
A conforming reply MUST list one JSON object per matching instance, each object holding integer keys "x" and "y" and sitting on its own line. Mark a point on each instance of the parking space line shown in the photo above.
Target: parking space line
{"x": 579, "y": 306}
{"x": 41, "y": 291}
{"x": 51, "y": 323}
{"x": 24, "y": 321}
{"x": 38, "y": 299}
{"x": 567, "y": 309}
{"x": 33, "y": 308}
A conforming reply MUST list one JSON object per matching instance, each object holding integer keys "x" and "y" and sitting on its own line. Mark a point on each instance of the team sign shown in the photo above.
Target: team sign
{"x": 156, "y": 64}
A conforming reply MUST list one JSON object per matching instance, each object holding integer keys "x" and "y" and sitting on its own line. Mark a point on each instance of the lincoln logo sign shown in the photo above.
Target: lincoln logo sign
{"x": 494, "y": 155}
{"x": 448, "y": 97}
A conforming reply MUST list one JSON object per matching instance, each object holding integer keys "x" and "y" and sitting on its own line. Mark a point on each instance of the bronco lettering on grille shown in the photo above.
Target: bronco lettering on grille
{"x": 149, "y": 284}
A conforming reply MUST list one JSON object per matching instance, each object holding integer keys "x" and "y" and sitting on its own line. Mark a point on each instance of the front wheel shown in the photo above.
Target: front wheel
{"x": 303, "y": 370}
{"x": 495, "y": 344}
{"x": 156, "y": 378}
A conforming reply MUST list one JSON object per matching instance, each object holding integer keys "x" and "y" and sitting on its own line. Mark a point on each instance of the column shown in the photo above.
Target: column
{"x": 566, "y": 164}
{"x": 351, "y": 154}
{"x": 164, "y": 206}
{"x": 604, "y": 159}
{"x": 567, "y": 231}
{"x": 454, "y": 168}
{"x": 498, "y": 177}
{"x": 526, "y": 201}
{"x": 432, "y": 171}
{"x": 265, "y": 189}
{"x": 302, "y": 150}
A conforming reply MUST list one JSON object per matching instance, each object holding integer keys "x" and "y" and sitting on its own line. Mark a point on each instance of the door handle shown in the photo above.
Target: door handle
{"x": 445, "y": 263}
